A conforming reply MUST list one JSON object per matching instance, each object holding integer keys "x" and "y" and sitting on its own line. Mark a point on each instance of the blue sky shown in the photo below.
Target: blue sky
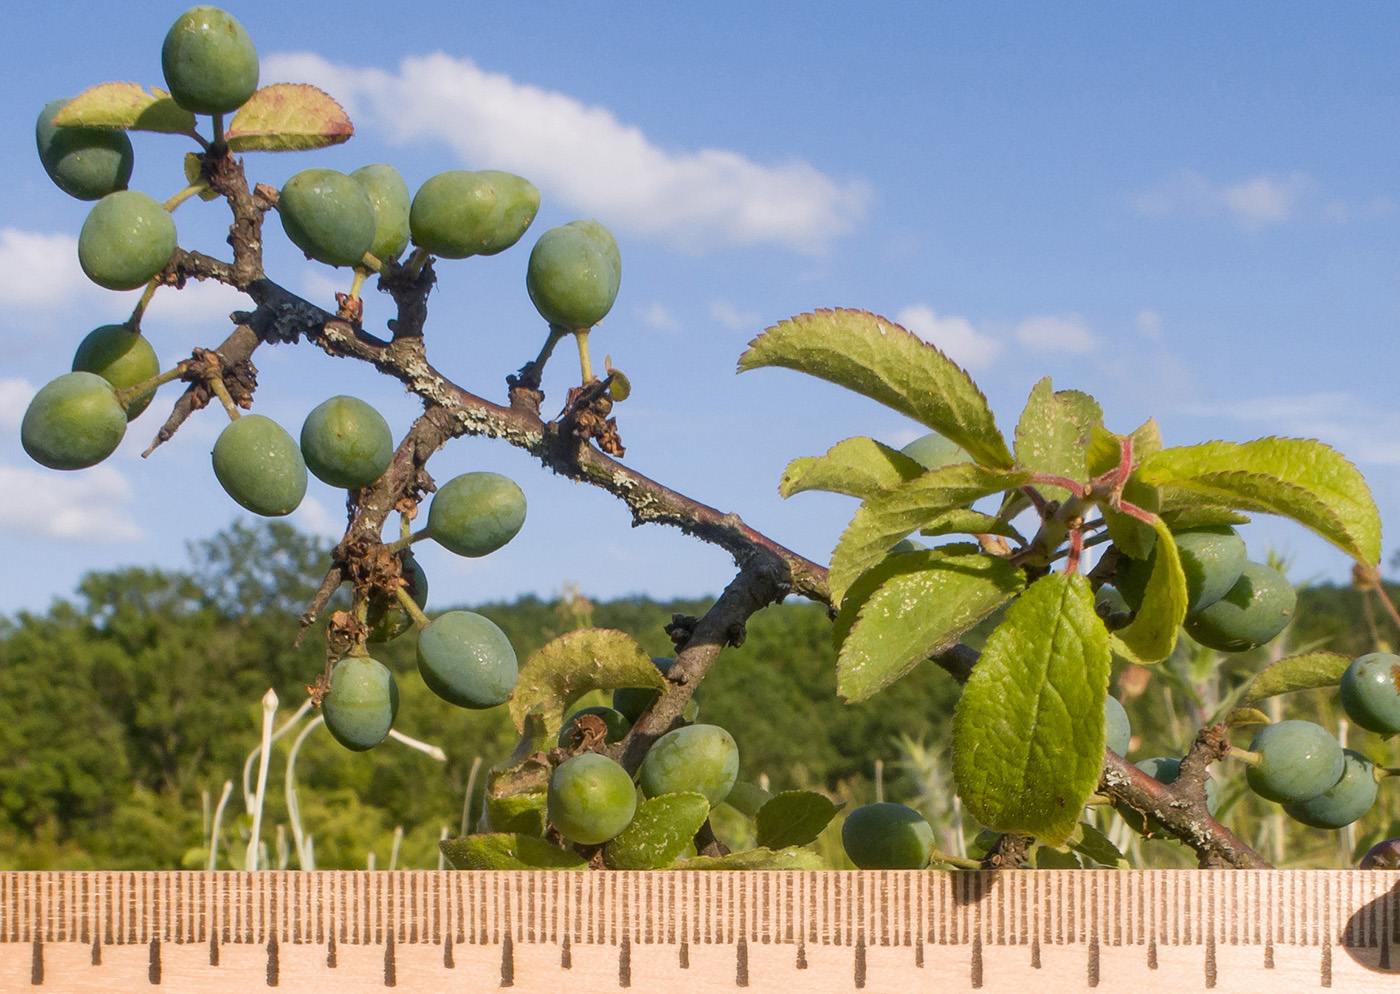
{"x": 1188, "y": 210}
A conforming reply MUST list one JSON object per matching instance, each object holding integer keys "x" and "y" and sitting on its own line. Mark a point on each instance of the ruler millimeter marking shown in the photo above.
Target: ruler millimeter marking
{"x": 1226, "y": 930}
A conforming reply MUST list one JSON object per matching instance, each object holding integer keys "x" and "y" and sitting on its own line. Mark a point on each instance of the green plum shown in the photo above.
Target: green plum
{"x": 574, "y": 274}
{"x": 73, "y": 422}
{"x": 934, "y": 451}
{"x": 346, "y": 443}
{"x": 702, "y": 758}
{"x": 327, "y": 215}
{"x": 617, "y": 726}
{"x": 520, "y": 202}
{"x": 122, "y": 357}
{"x": 260, "y": 466}
{"x": 389, "y": 621}
{"x": 1347, "y": 800}
{"x": 1298, "y": 760}
{"x": 362, "y": 704}
{"x": 1370, "y": 692}
{"x": 209, "y": 61}
{"x": 590, "y": 799}
{"x": 127, "y": 238}
{"x": 476, "y": 513}
{"x": 388, "y": 195}
{"x": 887, "y": 836}
{"x": 456, "y": 214}
{"x": 1253, "y": 612}
{"x": 1117, "y": 731}
{"x": 87, "y": 163}
{"x": 1212, "y": 559}
{"x": 466, "y": 660}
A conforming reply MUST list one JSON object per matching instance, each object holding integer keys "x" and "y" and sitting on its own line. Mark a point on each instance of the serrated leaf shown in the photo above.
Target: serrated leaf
{"x": 747, "y": 798}
{"x": 1152, "y": 635}
{"x": 1105, "y": 448}
{"x": 877, "y": 358}
{"x": 889, "y": 516}
{"x": 1306, "y": 671}
{"x": 194, "y": 174}
{"x": 1053, "y": 434}
{"x": 501, "y": 851}
{"x": 858, "y": 466}
{"x": 1191, "y": 518}
{"x": 923, "y": 605}
{"x": 288, "y": 117}
{"x": 965, "y": 521}
{"x": 518, "y": 814}
{"x": 128, "y": 106}
{"x": 562, "y": 671}
{"x": 1301, "y": 479}
{"x": 1089, "y": 841}
{"x": 794, "y": 858}
{"x": 659, "y": 833}
{"x": 1028, "y": 731}
{"x": 1240, "y": 717}
{"x": 793, "y": 818}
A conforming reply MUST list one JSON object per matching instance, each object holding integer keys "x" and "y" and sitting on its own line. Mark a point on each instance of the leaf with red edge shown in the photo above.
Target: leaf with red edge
{"x": 288, "y": 117}
{"x": 128, "y": 106}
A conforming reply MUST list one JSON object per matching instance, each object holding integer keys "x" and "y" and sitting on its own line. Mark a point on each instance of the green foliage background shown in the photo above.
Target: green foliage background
{"x": 124, "y": 710}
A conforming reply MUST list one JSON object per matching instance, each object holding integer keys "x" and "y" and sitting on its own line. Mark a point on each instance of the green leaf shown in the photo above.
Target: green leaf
{"x": 1133, "y": 536}
{"x": 288, "y": 117}
{"x": 793, "y": 818}
{"x": 877, "y": 358}
{"x": 563, "y": 670}
{"x": 194, "y": 174}
{"x": 1301, "y": 479}
{"x": 1028, "y": 732}
{"x": 923, "y": 605}
{"x": 1152, "y": 635}
{"x": 1090, "y": 842}
{"x": 965, "y": 521}
{"x": 858, "y": 466}
{"x": 509, "y": 852}
{"x": 1306, "y": 671}
{"x": 1050, "y": 858}
{"x": 1105, "y": 448}
{"x": 1053, "y": 434}
{"x": 1190, "y": 518}
{"x": 1239, "y": 717}
{"x": 889, "y": 516}
{"x": 519, "y": 814}
{"x": 660, "y": 832}
{"x": 794, "y": 858}
{"x": 747, "y": 798}
{"x": 128, "y": 106}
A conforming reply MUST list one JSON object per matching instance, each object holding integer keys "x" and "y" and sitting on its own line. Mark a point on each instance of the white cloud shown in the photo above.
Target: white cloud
{"x": 67, "y": 507}
{"x": 658, "y": 317}
{"x": 15, "y": 396}
{"x": 1048, "y": 333}
{"x": 200, "y": 306}
{"x": 312, "y": 516}
{"x": 40, "y": 269}
{"x": 955, "y": 336}
{"x": 1149, "y": 325}
{"x": 734, "y": 319}
{"x": 1357, "y": 428}
{"x": 1254, "y": 202}
{"x": 583, "y": 155}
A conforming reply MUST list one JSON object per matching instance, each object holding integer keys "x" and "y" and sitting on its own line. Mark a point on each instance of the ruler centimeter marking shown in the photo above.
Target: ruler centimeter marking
{"x": 1227, "y": 930}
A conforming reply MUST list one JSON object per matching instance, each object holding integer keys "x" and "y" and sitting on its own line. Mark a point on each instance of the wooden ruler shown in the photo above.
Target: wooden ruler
{"x": 680, "y": 932}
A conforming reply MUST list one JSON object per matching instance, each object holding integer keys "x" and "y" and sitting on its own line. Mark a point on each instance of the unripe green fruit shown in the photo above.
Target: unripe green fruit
{"x": 1117, "y": 730}
{"x": 520, "y": 202}
{"x": 87, "y": 163}
{"x": 126, "y": 239}
{"x": 574, "y": 274}
{"x": 122, "y": 357}
{"x": 1298, "y": 761}
{"x": 362, "y": 704}
{"x": 887, "y": 836}
{"x": 1370, "y": 692}
{"x": 389, "y": 622}
{"x": 346, "y": 443}
{"x": 1347, "y": 800}
{"x": 1255, "y": 610}
{"x": 1212, "y": 559}
{"x": 617, "y": 726}
{"x": 702, "y": 758}
{"x": 260, "y": 466}
{"x": 388, "y": 195}
{"x": 327, "y": 215}
{"x": 934, "y": 451}
{"x": 466, "y": 660}
{"x": 209, "y": 61}
{"x": 634, "y": 701}
{"x": 455, "y": 214}
{"x": 590, "y": 799}
{"x": 476, "y": 513}
{"x": 1384, "y": 855}
{"x": 73, "y": 422}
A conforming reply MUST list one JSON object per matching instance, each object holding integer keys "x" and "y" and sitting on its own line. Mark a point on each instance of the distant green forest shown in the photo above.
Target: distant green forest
{"x": 124, "y": 710}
